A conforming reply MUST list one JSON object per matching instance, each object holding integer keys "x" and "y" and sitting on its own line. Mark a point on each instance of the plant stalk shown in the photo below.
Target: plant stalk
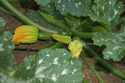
{"x": 92, "y": 68}
{"x": 52, "y": 20}
{"x": 82, "y": 34}
{"x": 107, "y": 65}
{"x": 63, "y": 26}
{"x": 22, "y": 17}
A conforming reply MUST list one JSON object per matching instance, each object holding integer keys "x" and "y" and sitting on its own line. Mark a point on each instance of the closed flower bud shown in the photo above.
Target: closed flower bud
{"x": 62, "y": 38}
{"x": 25, "y": 34}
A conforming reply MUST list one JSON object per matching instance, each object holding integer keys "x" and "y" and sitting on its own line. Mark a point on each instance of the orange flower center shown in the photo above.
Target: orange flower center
{"x": 18, "y": 38}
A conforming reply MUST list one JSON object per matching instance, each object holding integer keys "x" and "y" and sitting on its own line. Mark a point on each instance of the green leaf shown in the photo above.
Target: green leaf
{"x": 74, "y": 7}
{"x": 48, "y": 66}
{"x": 2, "y": 25}
{"x": 114, "y": 43}
{"x": 106, "y": 11}
{"x": 43, "y": 2}
{"x": 26, "y": 69}
{"x": 79, "y": 24}
{"x": 24, "y": 2}
{"x": 6, "y": 79}
{"x": 36, "y": 17}
{"x": 58, "y": 66}
{"x": 6, "y": 47}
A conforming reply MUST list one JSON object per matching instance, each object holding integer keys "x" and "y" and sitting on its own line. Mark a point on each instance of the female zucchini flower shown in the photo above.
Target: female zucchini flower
{"x": 75, "y": 48}
{"x": 25, "y": 34}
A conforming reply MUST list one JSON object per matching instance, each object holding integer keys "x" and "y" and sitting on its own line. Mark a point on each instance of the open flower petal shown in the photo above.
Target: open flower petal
{"x": 25, "y": 34}
{"x": 75, "y": 47}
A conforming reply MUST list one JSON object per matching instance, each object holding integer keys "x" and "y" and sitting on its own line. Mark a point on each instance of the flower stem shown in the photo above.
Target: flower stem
{"x": 44, "y": 36}
{"x": 82, "y": 34}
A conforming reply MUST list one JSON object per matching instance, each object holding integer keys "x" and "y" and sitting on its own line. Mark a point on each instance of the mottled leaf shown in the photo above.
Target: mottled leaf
{"x": 6, "y": 47}
{"x": 43, "y": 2}
{"x": 7, "y": 79}
{"x": 106, "y": 11}
{"x": 26, "y": 69}
{"x": 58, "y": 66}
{"x": 74, "y": 7}
{"x": 114, "y": 43}
{"x": 48, "y": 66}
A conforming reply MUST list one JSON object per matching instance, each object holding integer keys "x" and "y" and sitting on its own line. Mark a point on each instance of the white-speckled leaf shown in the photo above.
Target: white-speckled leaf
{"x": 43, "y": 2}
{"x": 58, "y": 66}
{"x": 74, "y": 7}
{"x": 114, "y": 42}
{"x": 8, "y": 79}
{"x": 48, "y": 66}
{"x": 106, "y": 11}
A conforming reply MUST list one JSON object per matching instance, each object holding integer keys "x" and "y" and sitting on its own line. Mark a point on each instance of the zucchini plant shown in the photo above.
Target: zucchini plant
{"x": 78, "y": 27}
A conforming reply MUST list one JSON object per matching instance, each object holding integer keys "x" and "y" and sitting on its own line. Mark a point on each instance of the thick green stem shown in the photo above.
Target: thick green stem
{"x": 57, "y": 45}
{"x": 22, "y": 17}
{"x": 52, "y": 20}
{"x": 107, "y": 65}
{"x": 112, "y": 69}
{"x": 44, "y": 36}
{"x": 62, "y": 25}
{"x": 82, "y": 34}
{"x": 5, "y": 11}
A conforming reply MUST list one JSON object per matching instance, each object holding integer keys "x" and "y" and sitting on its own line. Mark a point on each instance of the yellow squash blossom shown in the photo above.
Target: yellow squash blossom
{"x": 75, "y": 48}
{"x": 25, "y": 34}
{"x": 62, "y": 38}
